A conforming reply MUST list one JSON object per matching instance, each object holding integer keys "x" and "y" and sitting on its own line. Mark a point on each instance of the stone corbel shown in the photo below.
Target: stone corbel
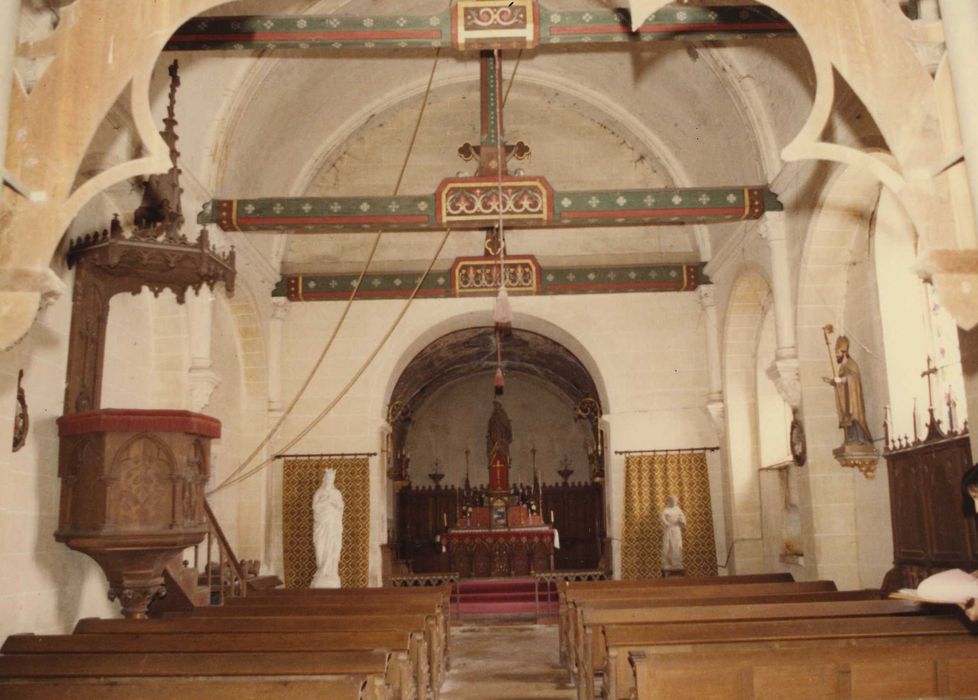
{"x": 202, "y": 382}
{"x": 786, "y": 373}
{"x": 954, "y": 274}
{"x": 718, "y": 413}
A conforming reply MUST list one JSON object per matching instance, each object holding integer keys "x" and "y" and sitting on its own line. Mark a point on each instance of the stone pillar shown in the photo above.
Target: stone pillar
{"x": 280, "y": 310}
{"x": 773, "y": 230}
{"x": 273, "y": 488}
{"x": 961, "y": 35}
{"x": 202, "y": 378}
{"x": 714, "y": 399}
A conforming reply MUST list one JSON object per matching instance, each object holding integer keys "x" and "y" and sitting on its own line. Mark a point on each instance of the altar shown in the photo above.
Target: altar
{"x": 479, "y": 551}
{"x": 486, "y": 532}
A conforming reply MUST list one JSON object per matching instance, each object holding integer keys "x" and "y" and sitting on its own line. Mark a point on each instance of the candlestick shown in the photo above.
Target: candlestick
{"x": 915, "y": 419}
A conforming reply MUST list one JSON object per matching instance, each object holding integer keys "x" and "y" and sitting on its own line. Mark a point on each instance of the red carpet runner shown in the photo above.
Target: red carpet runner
{"x": 503, "y": 598}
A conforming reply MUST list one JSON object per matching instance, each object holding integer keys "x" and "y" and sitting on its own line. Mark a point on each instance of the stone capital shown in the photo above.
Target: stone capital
{"x": 280, "y": 308}
{"x": 202, "y": 382}
{"x": 707, "y": 294}
{"x": 717, "y": 410}
{"x": 786, "y": 373}
{"x": 772, "y": 227}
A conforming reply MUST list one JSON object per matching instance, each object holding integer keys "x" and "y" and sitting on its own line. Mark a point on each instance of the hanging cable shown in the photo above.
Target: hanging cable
{"x": 349, "y": 385}
{"x": 349, "y": 303}
{"x": 502, "y": 315}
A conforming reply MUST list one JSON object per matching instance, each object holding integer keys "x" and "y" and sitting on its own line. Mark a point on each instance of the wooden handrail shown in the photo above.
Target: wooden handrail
{"x": 225, "y": 547}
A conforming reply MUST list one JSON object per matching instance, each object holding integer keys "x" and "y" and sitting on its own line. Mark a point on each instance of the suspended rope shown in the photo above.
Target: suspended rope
{"x": 349, "y": 385}
{"x": 502, "y": 314}
{"x": 349, "y": 302}
{"x": 512, "y": 77}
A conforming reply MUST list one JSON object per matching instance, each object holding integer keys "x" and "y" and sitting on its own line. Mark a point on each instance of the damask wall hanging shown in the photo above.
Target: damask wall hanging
{"x": 649, "y": 479}
{"x": 22, "y": 419}
{"x": 300, "y": 479}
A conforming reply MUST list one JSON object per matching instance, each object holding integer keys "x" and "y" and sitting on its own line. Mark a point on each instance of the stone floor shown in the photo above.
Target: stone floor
{"x": 511, "y": 662}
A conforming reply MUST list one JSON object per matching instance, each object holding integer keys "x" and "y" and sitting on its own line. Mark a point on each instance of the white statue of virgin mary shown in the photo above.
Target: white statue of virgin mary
{"x": 327, "y": 532}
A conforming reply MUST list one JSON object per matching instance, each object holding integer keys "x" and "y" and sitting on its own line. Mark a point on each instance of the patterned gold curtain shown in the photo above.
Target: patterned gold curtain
{"x": 301, "y": 478}
{"x": 649, "y": 479}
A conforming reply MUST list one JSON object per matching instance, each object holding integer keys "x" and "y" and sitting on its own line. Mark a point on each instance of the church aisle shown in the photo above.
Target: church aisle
{"x": 511, "y": 662}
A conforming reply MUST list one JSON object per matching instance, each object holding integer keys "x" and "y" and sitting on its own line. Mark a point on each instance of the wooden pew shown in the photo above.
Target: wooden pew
{"x": 436, "y": 626}
{"x": 409, "y": 662}
{"x": 594, "y": 659}
{"x": 354, "y": 675}
{"x": 709, "y": 639}
{"x": 263, "y": 625}
{"x": 577, "y": 631}
{"x": 572, "y": 632}
{"x": 435, "y": 599}
{"x": 566, "y": 587}
{"x": 880, "y": 671}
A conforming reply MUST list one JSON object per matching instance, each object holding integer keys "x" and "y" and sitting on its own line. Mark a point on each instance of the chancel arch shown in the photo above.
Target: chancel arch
{"x": 440, "y": 457}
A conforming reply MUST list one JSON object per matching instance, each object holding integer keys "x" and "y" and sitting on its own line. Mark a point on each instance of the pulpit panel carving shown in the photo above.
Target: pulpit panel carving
{"x": 143, "y": 473}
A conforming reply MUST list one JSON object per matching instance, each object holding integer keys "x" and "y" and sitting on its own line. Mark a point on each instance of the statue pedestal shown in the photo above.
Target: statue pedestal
{"x": 670, "y": 573}
{"x": 862, "y": 456}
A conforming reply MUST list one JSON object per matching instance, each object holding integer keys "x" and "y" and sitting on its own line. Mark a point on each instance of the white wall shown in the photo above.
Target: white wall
{"x": 646, "y": 353}
{"x": 44, "y": 586}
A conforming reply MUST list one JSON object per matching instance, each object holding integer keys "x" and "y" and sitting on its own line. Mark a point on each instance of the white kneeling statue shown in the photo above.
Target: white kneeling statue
{"x": 327, "y": 532}
{"x": 673, "y": 521}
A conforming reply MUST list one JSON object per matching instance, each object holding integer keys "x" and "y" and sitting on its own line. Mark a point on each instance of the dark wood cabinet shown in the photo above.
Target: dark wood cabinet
{"x": 934, "y": 523}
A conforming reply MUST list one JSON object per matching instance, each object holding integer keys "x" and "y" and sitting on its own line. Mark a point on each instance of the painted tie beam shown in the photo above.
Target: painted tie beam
{"x": 476, "y": 24}
{"x": 472, "y": 203}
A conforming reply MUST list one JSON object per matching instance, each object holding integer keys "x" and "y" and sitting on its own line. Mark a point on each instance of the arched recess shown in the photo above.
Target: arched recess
{"x": 439, "y": 404}
{"x": 474, "y": 319}
{"x": 535, "y": 365}
{"x": 747, "y": 305}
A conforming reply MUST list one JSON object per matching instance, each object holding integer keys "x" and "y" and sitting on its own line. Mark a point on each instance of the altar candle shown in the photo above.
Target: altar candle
{"x": 551, "y": 517}
{"x": 444, "y": 519}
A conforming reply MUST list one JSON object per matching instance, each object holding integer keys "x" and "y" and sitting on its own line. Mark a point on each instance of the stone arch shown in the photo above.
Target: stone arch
{"x": 470, "y": 319}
